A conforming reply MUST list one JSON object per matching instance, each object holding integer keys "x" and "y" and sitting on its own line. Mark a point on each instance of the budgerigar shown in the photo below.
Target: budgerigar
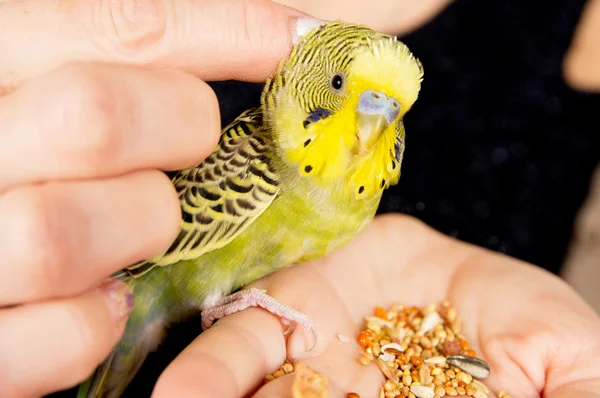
{"x": 289, "y": 182}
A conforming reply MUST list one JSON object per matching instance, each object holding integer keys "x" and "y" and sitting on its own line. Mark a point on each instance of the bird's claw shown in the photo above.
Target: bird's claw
{"x": 258, "y": 298}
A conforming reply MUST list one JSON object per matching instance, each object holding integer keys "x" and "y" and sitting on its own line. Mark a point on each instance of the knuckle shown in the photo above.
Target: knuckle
{"x": 87, "y": 115}
{"x": 247, "y": 37}
{"x": 45, "y": 250}
{"x": 255, "y": 27}
{"x": 131, "y": 27}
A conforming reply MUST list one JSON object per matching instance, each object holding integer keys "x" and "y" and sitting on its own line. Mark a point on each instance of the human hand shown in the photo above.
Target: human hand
{"x": 581, "y": 64}
{"x": 388, "y": 16}
{"x": 81, "y": 146}
{"x": 538, "y": 336}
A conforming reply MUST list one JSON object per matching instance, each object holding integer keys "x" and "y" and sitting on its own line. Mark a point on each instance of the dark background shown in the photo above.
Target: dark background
{"x": 499, "y": 151}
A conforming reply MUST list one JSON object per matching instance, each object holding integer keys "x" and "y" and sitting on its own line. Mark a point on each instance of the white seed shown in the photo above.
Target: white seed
{"x": 387, "y": 371}
{"x": 480, "y": 387}
{"x": 378, "y": 321}
{"x": 392, "y": 347}
{"x": 343, "y": 338}
{"x": 422, "y": 391}
{"x": 374, "y": 327}
{"x": 387, "y": 356}
{"x": 436, "y": 360}
{"x": 425, "y": 375}
{"x": 429, "y": 322}
{"x": 474, "y": 366}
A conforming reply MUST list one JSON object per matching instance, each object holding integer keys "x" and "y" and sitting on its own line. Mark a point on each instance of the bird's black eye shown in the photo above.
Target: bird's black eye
{"x": 337, "y": 82}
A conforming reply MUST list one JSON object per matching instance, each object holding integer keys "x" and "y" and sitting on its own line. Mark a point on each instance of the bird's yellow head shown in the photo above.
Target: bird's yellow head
{"x": 335, "y": 106}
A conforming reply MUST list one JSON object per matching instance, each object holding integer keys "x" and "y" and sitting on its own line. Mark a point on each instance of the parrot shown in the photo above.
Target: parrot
{"x": 289, "y": 181}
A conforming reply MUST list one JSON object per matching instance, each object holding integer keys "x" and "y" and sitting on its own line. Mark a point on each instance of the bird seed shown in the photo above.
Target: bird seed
{"x": 423, "y": 354}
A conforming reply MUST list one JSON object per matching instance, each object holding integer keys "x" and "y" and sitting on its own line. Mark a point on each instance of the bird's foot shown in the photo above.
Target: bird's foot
{"x": 258, "y": 298}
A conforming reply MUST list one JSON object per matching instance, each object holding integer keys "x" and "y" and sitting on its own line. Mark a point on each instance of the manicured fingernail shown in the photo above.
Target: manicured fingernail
{"x": 301, "y": 26}
{"x": 119, "y": 297}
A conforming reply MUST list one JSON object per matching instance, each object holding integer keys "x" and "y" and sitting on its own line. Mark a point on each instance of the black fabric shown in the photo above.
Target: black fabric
{"x": 499, "y": 151}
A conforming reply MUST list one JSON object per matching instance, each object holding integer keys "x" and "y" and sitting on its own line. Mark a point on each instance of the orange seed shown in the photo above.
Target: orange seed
{"x": 380, "y": 313}
{"x": 416, "y": 361}
{"x": 364, "y": 338}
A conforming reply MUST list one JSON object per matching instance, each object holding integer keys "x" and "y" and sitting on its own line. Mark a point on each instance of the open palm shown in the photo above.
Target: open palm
{"x": 538, "y": 336}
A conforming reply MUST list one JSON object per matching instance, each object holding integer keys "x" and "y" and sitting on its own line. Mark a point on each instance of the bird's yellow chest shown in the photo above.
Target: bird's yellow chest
{"x": 302, "y": 224}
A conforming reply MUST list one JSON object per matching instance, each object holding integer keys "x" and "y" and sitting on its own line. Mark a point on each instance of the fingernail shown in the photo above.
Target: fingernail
{"x": 301, "y": 26}
{"x": 119, "y": 297}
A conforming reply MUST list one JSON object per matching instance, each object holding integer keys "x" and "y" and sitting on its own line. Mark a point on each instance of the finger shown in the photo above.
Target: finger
{"x": 408, "y": 15}
{"x": 581, "y": 65}
{"x": 53, "y": 345}
{"x": 281, "y": 388}
{"x": 581, "y": 389}
{"x": 234, "y": 355}
{"x": 226, "y": 39}
{"x": 61, "y": 238}
{"x": 98, "y": 120}
{"x": 285, "y": 386}
{"x": 575, "y": 372}
{"x": 241, "y": 349}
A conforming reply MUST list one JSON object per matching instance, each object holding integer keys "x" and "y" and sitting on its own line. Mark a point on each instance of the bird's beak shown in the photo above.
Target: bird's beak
{"x": 375, "y": 112}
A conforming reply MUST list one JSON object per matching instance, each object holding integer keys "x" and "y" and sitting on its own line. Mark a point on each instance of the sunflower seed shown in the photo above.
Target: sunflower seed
{"x": 410, "y": 345}
{"x": 474, "y": 366}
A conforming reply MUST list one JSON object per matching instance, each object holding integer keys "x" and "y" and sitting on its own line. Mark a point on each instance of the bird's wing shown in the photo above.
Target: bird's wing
{"x": 223, "y": 195}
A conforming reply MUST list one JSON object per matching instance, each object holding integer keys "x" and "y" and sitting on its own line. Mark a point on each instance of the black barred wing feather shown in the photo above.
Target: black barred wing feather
{"x": 223, "y": 195}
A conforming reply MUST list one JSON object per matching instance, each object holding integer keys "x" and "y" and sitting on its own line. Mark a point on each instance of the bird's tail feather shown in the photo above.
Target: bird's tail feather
{"x": 113, "y": 376}
{"x": 144, "y": 331}
{"x": 92, "y": 387}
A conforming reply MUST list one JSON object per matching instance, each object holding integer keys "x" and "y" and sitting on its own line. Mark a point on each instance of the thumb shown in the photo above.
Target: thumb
{"x": 214, "y": 39}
